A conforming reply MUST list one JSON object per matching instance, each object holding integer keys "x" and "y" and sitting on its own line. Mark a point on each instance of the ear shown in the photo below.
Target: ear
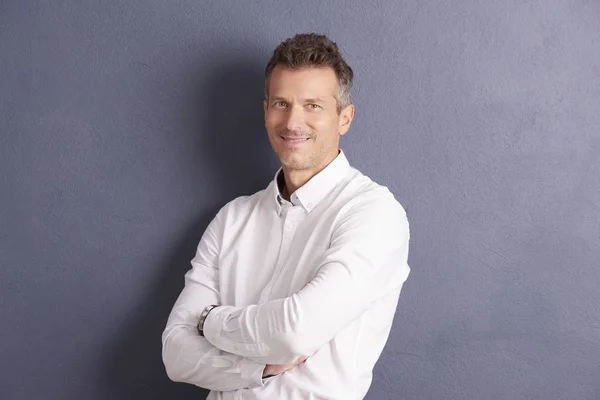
{"x": 265, "y": 109}
{"x": 345, "y": 119}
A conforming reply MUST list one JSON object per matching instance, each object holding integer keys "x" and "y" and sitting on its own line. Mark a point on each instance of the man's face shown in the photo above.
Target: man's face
{"x": 301, "y": 117}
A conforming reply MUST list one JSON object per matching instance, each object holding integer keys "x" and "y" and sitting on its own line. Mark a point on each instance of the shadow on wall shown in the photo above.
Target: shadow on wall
{"x": 227, "y": 118}
{"x": 236, "y": 138}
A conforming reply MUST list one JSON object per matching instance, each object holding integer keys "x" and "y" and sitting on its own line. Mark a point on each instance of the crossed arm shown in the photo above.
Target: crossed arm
{"x": 189, "y": 357}
{"x": 365, "y": 262}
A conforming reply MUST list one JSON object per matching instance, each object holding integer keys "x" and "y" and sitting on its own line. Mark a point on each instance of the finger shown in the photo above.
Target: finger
{"x": 301, "y": 360}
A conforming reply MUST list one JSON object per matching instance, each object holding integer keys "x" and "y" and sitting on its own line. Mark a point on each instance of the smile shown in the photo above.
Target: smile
{"x": 294, "y": 143}
{"x": 299, "y": 140}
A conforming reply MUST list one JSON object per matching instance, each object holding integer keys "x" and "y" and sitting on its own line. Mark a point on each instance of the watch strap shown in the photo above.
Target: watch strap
{"x": 202, "y": 318}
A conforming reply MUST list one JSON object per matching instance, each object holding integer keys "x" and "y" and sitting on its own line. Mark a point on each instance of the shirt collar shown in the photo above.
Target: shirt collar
{"x": 313, "y": 191}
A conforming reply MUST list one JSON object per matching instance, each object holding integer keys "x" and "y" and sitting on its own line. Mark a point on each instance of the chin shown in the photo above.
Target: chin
{"x": 293, "y": 162}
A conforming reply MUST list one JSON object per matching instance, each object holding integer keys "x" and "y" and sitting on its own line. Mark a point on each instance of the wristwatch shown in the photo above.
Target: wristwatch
{"x": 203, "y": 318}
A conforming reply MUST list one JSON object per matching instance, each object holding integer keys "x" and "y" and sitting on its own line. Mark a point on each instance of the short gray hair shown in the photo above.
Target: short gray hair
{"x": 310, "y": 50}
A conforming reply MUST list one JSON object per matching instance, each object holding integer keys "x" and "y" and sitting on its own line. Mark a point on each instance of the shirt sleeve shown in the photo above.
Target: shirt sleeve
{"x": 366, "y": 261}
{"x": 189, "y": 357}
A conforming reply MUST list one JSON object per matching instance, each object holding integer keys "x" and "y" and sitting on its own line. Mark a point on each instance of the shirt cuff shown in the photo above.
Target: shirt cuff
{"x": 252, "y": 372}
{"x": 224, "y": 330}
{"x": 213, "y": 323}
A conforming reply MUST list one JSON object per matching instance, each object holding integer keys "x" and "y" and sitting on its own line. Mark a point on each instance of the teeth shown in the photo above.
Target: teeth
{"x": 295, "y": 140}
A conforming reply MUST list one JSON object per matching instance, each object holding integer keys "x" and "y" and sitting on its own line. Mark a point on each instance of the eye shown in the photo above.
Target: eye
{"x": 280, "y": 104}
{"x": 313, "y": 106}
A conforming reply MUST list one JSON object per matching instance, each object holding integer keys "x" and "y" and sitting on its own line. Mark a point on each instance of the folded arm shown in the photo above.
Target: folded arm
{"x": 365, "y": 262}
{"x": 189, "y": 357}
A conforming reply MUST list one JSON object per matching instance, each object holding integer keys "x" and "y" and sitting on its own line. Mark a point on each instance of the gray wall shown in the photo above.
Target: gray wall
{"x": 125, "y": 127}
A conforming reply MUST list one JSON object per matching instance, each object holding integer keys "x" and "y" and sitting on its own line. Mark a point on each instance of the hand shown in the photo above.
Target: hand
{"x": 276, "y": 369}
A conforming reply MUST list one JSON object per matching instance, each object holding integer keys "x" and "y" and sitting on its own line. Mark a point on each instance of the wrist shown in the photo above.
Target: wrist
{"x": 268, "y": 372}
{"x": 203, "y": 317}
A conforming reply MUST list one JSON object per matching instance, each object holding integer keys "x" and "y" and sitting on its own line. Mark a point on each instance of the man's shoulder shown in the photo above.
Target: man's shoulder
{"x": 366, "y": 193}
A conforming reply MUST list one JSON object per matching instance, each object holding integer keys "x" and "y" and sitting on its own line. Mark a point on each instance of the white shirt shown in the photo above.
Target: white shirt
{"x": 318, "y": 276}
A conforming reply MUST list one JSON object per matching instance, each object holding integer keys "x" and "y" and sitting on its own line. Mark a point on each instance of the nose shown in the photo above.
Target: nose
{"x": 295, "y": 119}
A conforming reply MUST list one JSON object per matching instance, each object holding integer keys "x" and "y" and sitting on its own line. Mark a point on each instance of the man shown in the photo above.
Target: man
{"x": 293, "y": 290}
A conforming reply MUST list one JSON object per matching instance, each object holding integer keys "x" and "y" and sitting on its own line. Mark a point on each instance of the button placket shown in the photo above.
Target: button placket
{"x": 290, "y": 223}
{"x": 264, "y": 296}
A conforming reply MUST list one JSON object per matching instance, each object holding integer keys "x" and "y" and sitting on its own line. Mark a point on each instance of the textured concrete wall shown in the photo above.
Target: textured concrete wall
{"x": 125, "y": 125}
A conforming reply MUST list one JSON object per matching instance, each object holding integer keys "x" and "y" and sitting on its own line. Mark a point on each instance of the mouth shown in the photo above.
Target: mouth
{"x": 294, "y": 139}
{"x": 294, "y": 142}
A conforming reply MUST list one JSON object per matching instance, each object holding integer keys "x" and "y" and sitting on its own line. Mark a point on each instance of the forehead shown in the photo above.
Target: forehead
{"x": 303, "y": 83}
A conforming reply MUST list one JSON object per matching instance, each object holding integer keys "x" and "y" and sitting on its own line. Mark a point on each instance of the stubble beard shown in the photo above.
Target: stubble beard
{"x": 292, "y": 159}
{"x": 293, "y": 164}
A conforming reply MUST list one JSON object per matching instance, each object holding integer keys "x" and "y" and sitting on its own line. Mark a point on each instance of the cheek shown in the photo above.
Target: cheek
{"x": 272, "y": 124}
{"x": 276, "y": 120}
{"x": 325, "y": 126}
{"x": 319, "y": 123}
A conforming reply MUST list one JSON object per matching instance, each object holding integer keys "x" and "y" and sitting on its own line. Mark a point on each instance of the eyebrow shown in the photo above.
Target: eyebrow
{"x": 315, "y": 100}
{"x": 310, "y": 100}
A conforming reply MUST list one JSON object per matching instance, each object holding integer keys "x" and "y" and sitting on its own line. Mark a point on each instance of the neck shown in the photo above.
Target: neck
{"x": 295, "y": 179}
